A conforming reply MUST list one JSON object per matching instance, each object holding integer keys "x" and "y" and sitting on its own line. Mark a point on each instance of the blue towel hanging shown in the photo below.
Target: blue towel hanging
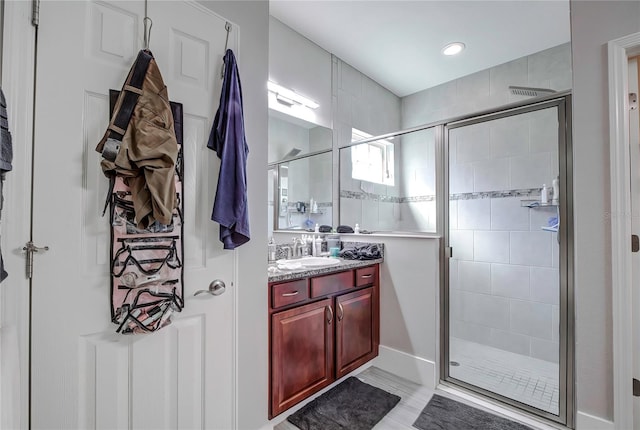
{"x": 228, "y": 139}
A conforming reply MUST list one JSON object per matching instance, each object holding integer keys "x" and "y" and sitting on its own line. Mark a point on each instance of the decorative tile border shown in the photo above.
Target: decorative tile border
{"x": 528, "y": 192}
{"x": 360, "y": 195}
{"x": 292, "y": 204}
{"x": 415, "y": 199}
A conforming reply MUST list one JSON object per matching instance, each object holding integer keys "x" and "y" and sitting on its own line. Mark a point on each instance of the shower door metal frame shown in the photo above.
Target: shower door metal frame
{"x": 566, "y": 401}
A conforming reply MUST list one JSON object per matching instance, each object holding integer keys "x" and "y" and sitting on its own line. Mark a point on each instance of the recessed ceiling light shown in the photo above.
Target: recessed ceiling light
{"x": 453, "y": 48}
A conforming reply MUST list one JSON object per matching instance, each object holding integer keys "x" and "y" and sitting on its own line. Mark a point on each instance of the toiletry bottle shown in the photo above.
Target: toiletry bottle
{"x": 544, "y": 195}
{"x": 356, "y": 230}
{"x": 318, "y": 246}
{"x": 272, "y": 249}
{"x": 313, "y": 246}
{"x": 556, "y": 191}
{"x": 317, "y": 230}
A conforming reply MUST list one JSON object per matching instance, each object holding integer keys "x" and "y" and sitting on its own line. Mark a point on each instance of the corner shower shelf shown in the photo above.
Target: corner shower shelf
{"x": 532, "y": 204}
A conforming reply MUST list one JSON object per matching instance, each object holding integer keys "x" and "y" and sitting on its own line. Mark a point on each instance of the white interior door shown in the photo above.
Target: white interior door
{"x": 83, "y": 374}
{"x": 634, "y": 141}
{"x": 17, "y": 84}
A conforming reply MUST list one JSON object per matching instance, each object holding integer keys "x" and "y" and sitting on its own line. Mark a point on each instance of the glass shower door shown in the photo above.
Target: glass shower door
{"x": 504, "y": 317}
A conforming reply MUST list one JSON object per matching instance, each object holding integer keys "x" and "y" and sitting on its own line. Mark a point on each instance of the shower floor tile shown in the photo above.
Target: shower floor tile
{"x": 525, "y": 379}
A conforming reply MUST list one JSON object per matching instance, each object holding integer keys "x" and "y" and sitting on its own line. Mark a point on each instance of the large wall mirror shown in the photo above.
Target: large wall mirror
{"x": 299, "y": 175}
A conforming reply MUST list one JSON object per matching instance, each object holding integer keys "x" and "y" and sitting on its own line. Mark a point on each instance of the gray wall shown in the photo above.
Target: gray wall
{"x": 252, "y": 353}
{"x": 593, "y": 24}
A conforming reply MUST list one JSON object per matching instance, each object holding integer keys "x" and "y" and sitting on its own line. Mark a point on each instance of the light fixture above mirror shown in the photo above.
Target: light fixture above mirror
{"x": 289, "y": 97}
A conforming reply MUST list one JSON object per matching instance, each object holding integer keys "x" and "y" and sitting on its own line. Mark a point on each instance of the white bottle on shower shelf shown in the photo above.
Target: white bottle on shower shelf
{"x": 356, "y": 230}
{"x": 556, "y": 191}
{"x": 544, "y": 195}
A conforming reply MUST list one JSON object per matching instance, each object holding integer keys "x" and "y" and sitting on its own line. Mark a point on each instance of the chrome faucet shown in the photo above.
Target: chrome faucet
{"x": 298, "y": 244}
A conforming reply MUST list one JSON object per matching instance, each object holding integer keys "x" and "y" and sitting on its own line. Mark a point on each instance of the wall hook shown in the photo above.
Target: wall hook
{"x": 227, "y": 27}
{"x": 148, "y": 23}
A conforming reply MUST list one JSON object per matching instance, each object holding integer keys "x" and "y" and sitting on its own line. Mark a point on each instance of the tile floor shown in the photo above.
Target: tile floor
{"x": 525, "y": 379}
{"x": 414, "y": 398}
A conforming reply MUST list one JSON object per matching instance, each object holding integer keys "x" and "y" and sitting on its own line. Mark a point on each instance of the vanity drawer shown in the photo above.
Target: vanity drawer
{"x": 323, "y": 285}
{"x": 288, "y": 293}
{"x": 365, "y": 276}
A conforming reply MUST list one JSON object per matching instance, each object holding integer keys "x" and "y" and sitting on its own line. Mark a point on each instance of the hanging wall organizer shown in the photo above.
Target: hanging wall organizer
{"x": 146, "y": 264}
{"x": 142, "y": 157}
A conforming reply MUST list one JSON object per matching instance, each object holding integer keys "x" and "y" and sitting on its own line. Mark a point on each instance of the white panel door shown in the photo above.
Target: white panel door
{"x": 634, "y": 153}
{"x": 83, "y": 374}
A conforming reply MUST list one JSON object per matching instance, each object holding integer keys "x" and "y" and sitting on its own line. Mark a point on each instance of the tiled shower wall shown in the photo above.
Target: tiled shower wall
{"x": 504, "y": 274}
{"x": 410, "y": 204}
{"x": 504, "y": 283}
{"x": 489, "y": 88}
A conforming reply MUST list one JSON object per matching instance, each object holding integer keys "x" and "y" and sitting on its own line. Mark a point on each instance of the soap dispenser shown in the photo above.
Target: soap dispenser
{"x": 272, "y": 249}
{"x": 317, "y": 246}
{"x": 544, "y": 195}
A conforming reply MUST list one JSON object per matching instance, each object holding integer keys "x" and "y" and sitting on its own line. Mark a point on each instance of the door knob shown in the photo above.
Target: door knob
{"x": 216, "y": 288}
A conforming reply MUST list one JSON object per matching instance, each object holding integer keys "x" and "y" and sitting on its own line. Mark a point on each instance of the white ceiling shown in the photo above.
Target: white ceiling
{"x": 398, "y": 43}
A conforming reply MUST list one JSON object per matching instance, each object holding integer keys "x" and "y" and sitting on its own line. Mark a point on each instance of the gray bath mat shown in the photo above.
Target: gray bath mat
{"x": 442, "y": 413}
{"x": 351, "y": 405}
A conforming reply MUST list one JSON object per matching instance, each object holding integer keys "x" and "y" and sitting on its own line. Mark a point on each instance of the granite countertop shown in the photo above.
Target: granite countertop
{"x": 289, "y": 275}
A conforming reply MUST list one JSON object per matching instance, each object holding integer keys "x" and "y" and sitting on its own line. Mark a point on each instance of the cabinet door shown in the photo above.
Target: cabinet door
{"x": 301, "y": 353}
{"x": 356, "y": 320}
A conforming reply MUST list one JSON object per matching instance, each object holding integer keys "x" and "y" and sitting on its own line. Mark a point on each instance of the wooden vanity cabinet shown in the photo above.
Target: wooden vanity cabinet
{"x": 355, "y": 340}
{"x": 332, "y": 328}
{"x": 301, "y": 353}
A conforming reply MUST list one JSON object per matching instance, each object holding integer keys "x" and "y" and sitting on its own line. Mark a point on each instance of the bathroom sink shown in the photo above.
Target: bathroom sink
{"x": 309, "y": 262}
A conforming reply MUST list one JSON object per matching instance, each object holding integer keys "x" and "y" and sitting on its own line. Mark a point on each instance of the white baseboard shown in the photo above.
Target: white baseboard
{"x": 589, "y": 422}
{"x": 416, "y": 369}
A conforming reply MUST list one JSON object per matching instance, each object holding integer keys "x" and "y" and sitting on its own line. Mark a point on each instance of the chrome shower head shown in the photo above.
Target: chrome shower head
{"x": 292, "y": 153}
{"x": 530, "y": 91}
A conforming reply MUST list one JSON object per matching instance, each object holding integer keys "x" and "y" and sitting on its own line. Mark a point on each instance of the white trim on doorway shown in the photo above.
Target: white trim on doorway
{"x": 619, "y": 52}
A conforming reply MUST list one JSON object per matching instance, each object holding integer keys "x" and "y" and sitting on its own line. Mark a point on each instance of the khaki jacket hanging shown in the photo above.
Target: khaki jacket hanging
{"x": 147, "y": 154}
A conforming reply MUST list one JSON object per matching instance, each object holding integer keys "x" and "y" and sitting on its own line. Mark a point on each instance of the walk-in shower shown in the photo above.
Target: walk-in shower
{"x": 507, "y": 298}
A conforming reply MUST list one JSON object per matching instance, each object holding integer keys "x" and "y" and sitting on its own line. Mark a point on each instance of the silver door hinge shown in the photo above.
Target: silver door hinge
{"x": 633, "y": 101}
{"x": 636, "y": 388}
{"x": 635, "y": 243}
{"x": 35, "y": 12}
{"x": 448, "y": 252}
{"x": 29, "y": 249}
